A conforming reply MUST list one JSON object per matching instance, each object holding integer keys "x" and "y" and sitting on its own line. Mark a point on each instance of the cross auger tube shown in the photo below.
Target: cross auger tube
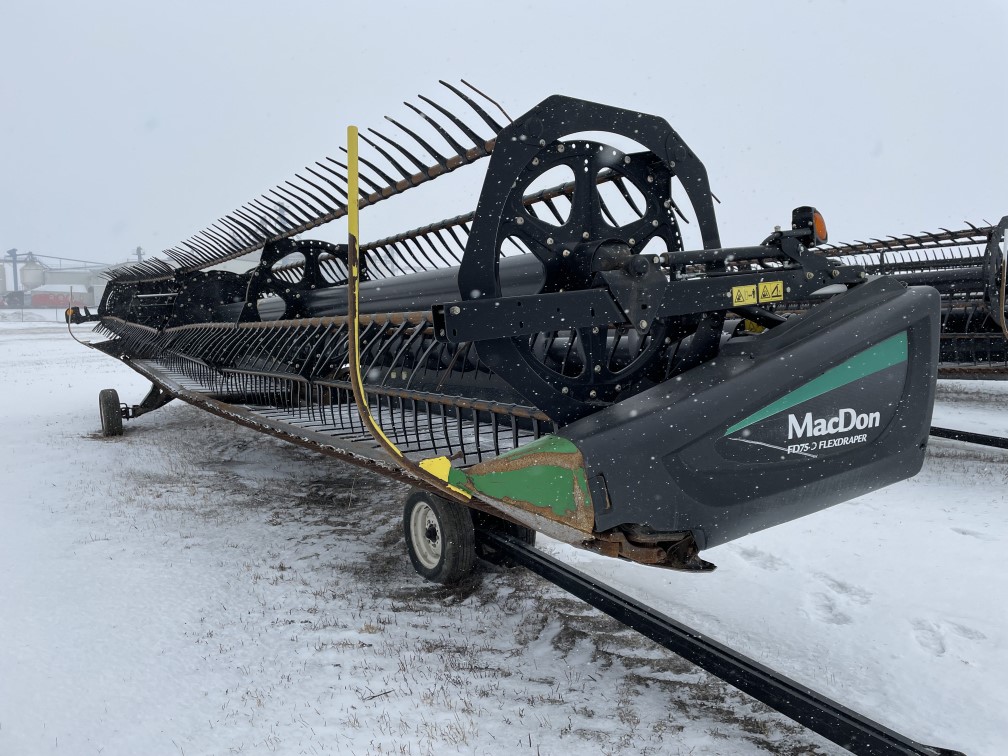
{"x": 556, "y": 360}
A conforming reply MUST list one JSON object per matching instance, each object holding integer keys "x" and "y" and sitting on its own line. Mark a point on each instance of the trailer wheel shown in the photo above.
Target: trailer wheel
{"x": 111, "y": 415}
{"x": 439, "y": 537}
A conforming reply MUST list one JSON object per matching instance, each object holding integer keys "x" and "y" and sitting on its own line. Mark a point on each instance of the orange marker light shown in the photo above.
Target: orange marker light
{"x": 819, "y": 228}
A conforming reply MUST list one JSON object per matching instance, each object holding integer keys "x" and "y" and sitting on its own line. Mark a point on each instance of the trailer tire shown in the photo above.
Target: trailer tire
{"x": 111, "y": 415}
{"x": 439, "y": 537}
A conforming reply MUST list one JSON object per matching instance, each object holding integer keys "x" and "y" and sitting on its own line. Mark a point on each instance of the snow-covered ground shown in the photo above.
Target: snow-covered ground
{"x": 193, "y": 588}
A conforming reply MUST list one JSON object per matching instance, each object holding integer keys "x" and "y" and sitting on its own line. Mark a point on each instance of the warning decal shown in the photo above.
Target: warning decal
{"x": 743, "y": 295}
{"x": 771, "y": 291}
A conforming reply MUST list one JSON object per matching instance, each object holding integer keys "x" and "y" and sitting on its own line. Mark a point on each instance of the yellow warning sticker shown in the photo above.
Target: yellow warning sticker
{"x": 743, "y": 295}
{"x": 771, "y": 291}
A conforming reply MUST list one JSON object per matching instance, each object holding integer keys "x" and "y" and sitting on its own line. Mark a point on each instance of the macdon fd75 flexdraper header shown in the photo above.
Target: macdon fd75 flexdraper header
{"x": 554, "y": 361}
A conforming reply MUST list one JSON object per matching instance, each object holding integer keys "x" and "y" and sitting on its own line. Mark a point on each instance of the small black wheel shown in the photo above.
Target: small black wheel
{"x": 439, "y": 537}
{"x": 111, "y": 414}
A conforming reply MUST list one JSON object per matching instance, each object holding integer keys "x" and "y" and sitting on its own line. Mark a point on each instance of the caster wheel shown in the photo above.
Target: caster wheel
{"x": 439, "y": 537}
{"x": 111, "y": 415}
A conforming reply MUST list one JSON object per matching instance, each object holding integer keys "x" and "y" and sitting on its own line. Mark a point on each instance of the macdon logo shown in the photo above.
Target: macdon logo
{"x": 847, "y": 420}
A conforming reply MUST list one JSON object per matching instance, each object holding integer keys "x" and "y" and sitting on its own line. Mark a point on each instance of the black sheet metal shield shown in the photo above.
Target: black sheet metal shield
{"x": 829, "y": 406}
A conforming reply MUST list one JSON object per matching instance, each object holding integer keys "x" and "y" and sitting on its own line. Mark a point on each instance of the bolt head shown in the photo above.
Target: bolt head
{"x": 549, "y": 240}
{"x": 643, "y": 325}
{"x": 618, "y": 387}
{"x": 626, "y": 159}
{"x": 593, "y": 393}
{"x": 520, "y": 221}
{"x": 594, "y": 329}
{"x": 586, "y": 235}
{"x": 561, "y": 147}
{"x": 598, "y": 369}
{"x": 809, "y": 276}
{"x": 455, "y": 310}
{"x": 535, "y": 161}
{"x": 566, "y": 253}
{"x": 565, "y": 390}
{"x": 834, "y": 273}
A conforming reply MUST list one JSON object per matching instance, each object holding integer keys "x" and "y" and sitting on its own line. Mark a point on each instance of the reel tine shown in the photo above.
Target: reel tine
{"x": 302, "y": 206}
{"x": 438, "y": 157}
{"x": 390, "y": 183}
{"x": 287, "y": 207}
{"x": 308, "y": 198}
{"x": 227, "y": 239}
{"x": 487, "y": 97}
{"x": 475, "y": 106}
{"x": 238, "y": 228}
{"x": 201, "y": 252}
{"x": 273, "y": 214}
{"x": 375, "y": 186}
{"x": 402, "y": 256}
{"x": 335, "y": 188}
{"x": 618, "y": 180}
{"x": 605, "y": 211}
{"x": 413, "y": 242}
{"x": 477, "y": 140}
{"x": 420, "y": 165}
{"x": 456, "y": 256}
{"x": 406, "y": 174}
{"x": 553, "y": 209}
{"x": 252, "y": 216}
{"x": 337, "y": 204}
{"x": 426, "y": 238}
{"x": 208, "y": 244}
{"x": 452, "y": 142}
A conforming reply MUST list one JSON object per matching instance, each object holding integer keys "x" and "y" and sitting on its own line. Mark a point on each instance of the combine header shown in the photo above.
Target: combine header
{"x": 557, "y": 360}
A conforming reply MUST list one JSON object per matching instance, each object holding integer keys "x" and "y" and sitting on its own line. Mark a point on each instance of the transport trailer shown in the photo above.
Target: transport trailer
{"x": 556, "y": 360}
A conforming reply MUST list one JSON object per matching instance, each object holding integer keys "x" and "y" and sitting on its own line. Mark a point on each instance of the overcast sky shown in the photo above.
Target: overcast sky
{"x": 126, "y": 123}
